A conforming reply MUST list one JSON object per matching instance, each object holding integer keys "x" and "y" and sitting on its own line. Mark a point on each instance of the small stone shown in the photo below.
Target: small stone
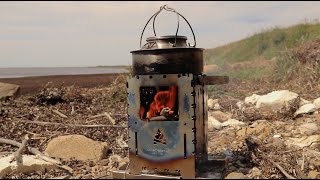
{"x": 277, "y": 135}
{"x": 8, "y": 90}
{"x": 78, "y": 147}
{"x": 276, "y": 101}
{"x": 305, "y": 141}
{"x": 221, "y": 116}
{"x": 30, "y": 164}
{"x": 255, "y": 172}
{"x": 235, "y": 175}
{"x": 275, "y": 142}
{"x": 212, "y": 102}
{"x": 309, "y": 128}
{"x": 261, "y": 129}
{"x": 217, "y": 106}
{"x": 232, "y": 123}
{"x": 213, "y": 124}
{"x": 305, "y": 109}
{"x": 313, "y": 174}
{"x": 316, "y": 102}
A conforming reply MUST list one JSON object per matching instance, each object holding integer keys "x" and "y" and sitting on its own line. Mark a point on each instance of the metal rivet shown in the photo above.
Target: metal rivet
{"x": 138, "y": 77}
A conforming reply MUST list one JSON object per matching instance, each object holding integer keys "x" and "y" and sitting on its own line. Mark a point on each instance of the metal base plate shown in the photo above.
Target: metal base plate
{"x": 212, "y": 169}
{"x": 120, "y": 174}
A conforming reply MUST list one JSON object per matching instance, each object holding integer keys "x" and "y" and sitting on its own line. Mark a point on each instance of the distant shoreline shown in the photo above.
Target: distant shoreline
{"x": 32, "y": 85}
{"x": 53, "y": 71}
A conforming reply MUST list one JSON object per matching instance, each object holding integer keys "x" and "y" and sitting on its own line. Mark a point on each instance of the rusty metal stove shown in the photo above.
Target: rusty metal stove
{"x": 167, "y": 108}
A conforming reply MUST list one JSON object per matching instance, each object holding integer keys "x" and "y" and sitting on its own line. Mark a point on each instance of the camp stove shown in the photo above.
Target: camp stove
{"x": 167, "y": 107}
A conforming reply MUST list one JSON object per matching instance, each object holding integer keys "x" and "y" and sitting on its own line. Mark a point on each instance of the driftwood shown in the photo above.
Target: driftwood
{"x": 72, "y": 110}
{"x": 76, "y": 125}
{"x": 110, "y": 118}
{"x": 38, "y": 153}
{"x": 281, "y": 169}
{"x": 113, "y": 121}
{"x": 59, "y": 113}
{"x": 17, "y": 156}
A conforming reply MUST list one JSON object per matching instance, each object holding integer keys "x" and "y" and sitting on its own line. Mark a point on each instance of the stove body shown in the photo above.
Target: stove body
{"x": 167, "y": 109}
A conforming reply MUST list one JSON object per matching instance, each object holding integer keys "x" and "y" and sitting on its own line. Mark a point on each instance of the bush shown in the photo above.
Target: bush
{"x": 279, "y": 38}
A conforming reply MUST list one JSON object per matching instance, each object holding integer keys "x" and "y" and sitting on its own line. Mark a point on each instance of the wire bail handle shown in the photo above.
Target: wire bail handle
{"x": 165, "y": 7}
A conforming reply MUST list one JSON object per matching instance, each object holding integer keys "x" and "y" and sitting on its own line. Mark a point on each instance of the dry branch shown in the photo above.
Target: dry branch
{"x": 96, "y": 116}
{"x": 60, "y": 114}
{"x": 113, "y": 121}
{"x": 38, "y": 153}
{"x": 18, "y": 154}
{"x": 72, "y": 110}
{"x": 281, "y": 169}
{"x": 76, "y": 125}
{"x": 110, "y": 118}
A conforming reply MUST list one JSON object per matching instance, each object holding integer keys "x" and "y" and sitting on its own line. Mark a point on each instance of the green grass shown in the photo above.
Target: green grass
{"x": 248, "y": 74}
{"x": 266, "y": 44}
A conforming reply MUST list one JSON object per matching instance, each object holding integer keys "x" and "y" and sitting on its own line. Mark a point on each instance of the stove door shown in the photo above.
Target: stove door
{"x": 161, "y": 124}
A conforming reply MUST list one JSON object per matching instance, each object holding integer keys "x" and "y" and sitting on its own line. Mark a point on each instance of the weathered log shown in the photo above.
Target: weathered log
{"x": 18, "y": 154}
{"x": 60, "y": 114}
{"x": 282, "y": 170}
{"x": 76, "y": 125}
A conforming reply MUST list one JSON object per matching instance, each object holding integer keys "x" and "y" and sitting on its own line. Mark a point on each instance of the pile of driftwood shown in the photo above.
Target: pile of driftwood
{"x": 97, "y": 113}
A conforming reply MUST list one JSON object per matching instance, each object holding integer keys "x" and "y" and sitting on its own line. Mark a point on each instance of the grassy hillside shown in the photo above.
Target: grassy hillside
{"x": 259, "y": 48}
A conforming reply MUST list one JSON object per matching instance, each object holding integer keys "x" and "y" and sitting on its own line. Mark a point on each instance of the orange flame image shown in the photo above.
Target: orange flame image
{"x": 163, "y": 99}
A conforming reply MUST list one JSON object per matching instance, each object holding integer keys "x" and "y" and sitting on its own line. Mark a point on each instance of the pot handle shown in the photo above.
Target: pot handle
{"x": 165, "y": 7}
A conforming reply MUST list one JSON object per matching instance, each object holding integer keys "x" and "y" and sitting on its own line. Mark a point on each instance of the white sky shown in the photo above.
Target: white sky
{"x": 69, "y": 34}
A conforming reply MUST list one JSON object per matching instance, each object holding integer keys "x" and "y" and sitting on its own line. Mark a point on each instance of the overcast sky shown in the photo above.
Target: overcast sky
{"x": 69, "y": 34}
